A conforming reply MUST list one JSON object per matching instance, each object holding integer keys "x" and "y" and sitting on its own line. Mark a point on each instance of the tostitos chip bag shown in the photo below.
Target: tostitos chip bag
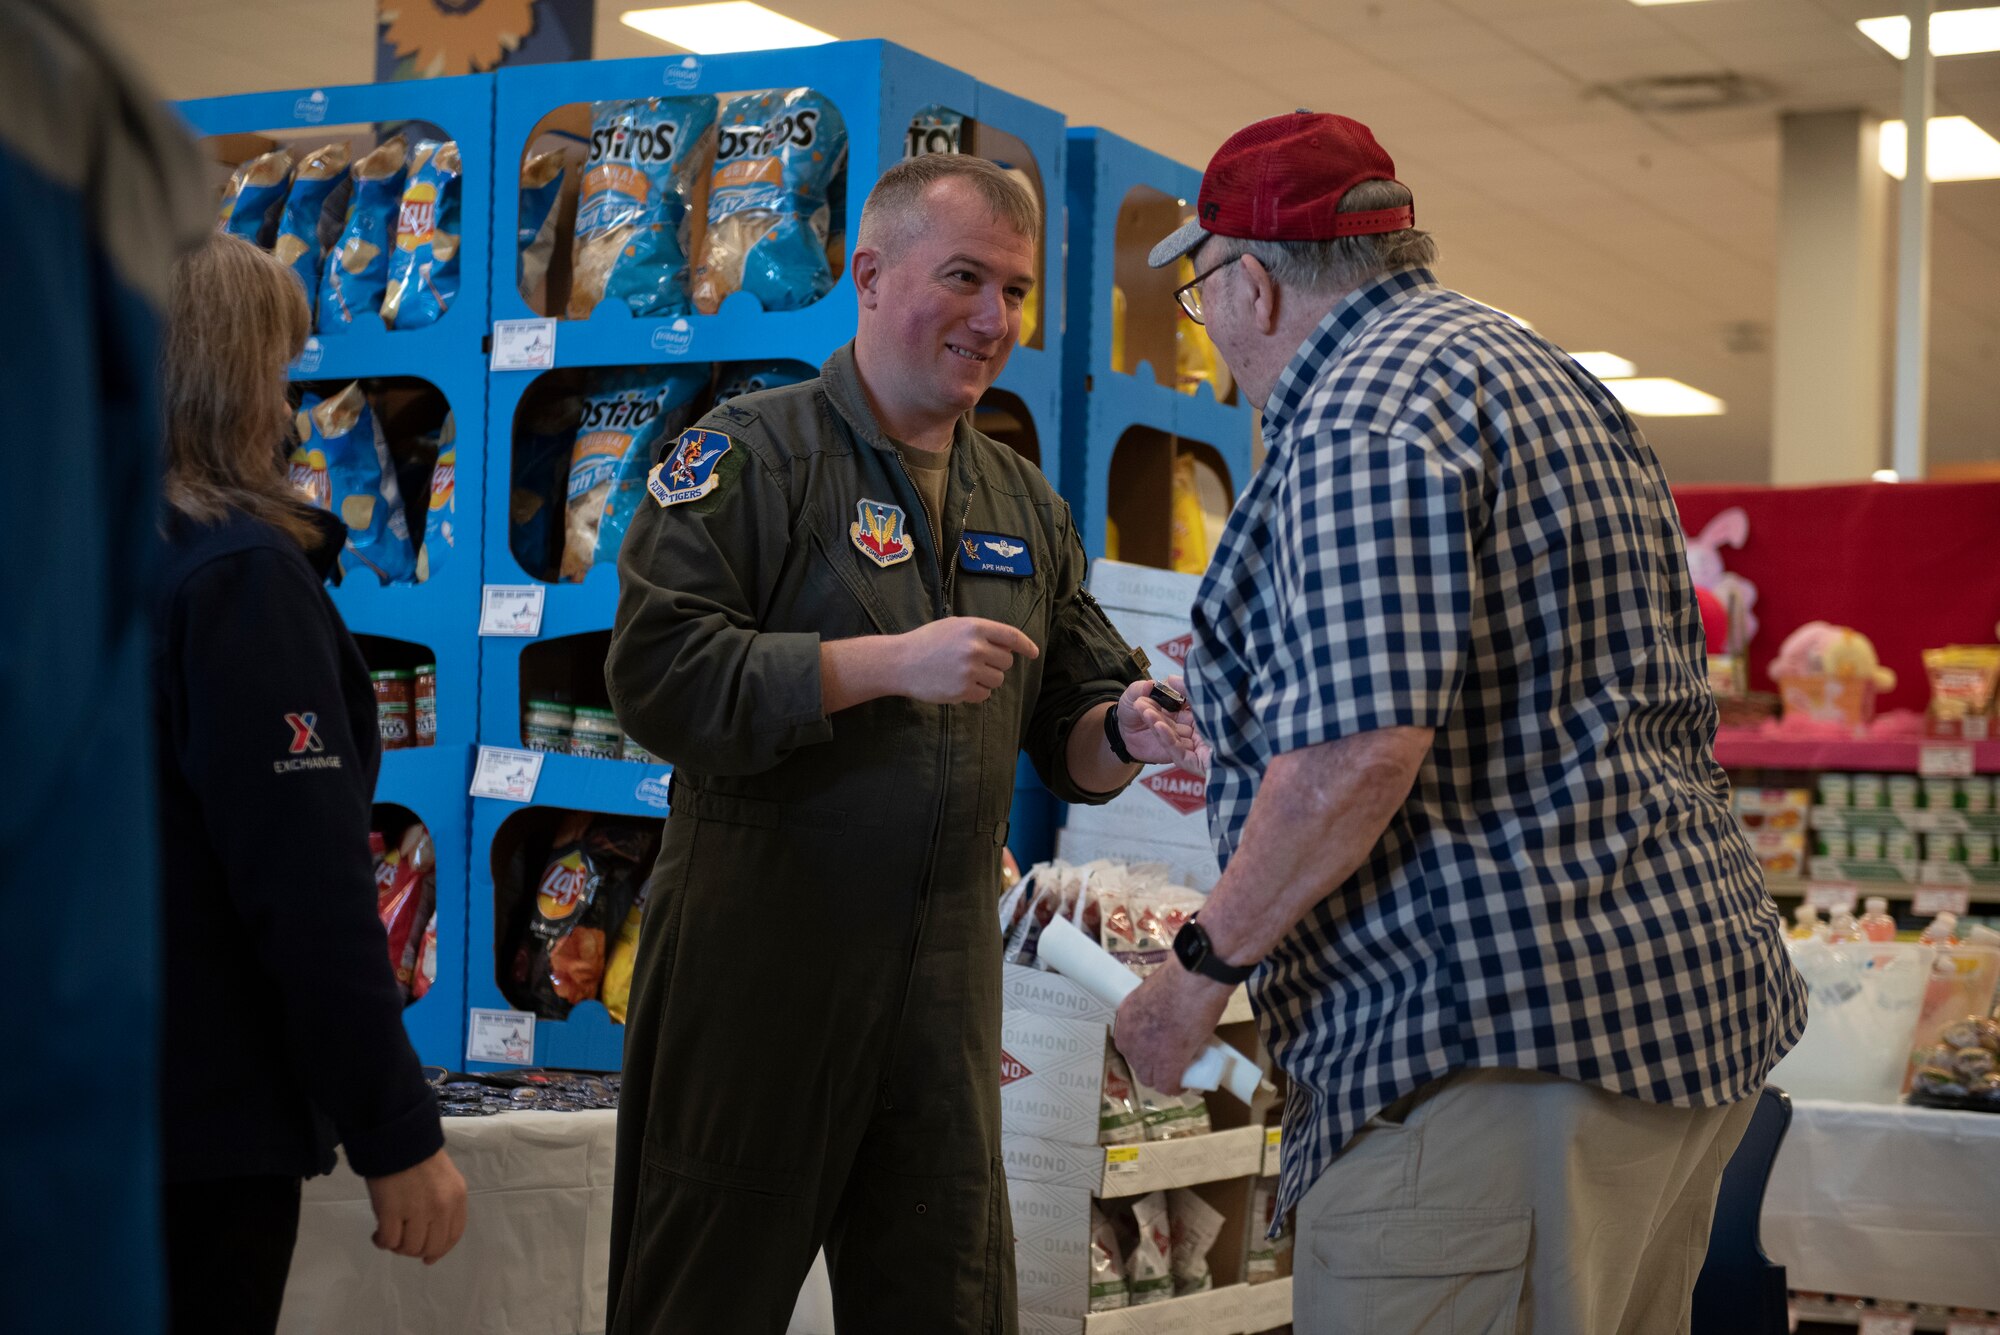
{"x": 935, "y": 129}
{"x": 682, "y": 385}
{"x": 632, "y": 215}
{"x": 357, "y": 269}
{"x": 622, "y": 417}
{"x": 423, "y": 268}
{"x": 361, "y": 483}
{"x": 256, "y": 195}
{"x": 775, "y": 159}
{"x": 542, "y": 178}
{"x": 298, "y": 243}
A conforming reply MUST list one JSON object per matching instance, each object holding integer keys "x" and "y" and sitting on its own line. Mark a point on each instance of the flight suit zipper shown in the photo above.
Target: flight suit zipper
{"x": 944, "y": 569}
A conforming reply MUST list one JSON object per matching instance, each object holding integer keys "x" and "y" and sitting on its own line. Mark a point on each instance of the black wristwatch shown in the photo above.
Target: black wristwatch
{"x": 1197, "y": 955}
{"x": 1111, "y": 735}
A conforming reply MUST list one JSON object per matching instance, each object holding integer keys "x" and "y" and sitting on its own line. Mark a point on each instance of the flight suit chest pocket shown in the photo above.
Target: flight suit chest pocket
{"x": 999, "y": 576}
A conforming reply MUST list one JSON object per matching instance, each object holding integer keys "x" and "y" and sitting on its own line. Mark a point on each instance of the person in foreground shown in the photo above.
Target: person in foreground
{"x": 1503, "y": 935}
{"x": 283, "y": 1027}
{"x": 841, "y": 625}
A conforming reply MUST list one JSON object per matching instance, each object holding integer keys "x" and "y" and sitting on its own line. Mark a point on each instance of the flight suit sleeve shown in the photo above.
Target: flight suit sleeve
{"x": 1085, "y": 663}
{"x": 692, "y": 676}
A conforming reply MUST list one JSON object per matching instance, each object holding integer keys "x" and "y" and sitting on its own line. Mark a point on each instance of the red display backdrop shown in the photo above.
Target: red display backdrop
{"x": 1911, "y": 565}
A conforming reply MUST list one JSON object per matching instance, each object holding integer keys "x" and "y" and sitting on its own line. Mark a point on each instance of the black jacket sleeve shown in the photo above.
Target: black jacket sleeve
{"x": 1087, "y": 663}
{"x": 267, "y": 743}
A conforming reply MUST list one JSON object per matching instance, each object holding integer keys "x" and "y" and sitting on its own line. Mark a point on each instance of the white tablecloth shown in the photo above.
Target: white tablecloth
{"x": 1887, "y": 1201}
{"x": 533, "y": 1260}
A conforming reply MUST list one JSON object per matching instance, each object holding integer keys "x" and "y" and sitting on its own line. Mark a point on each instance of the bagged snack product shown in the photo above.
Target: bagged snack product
{"x": 357, "y": 269}
{"x": 542, "y": 180}
{"x": 1149, "y": 1266}
{"x": 749, "y": 377}
{"x": 934, "y": 129}
{"x": 405, "y": 894}
{"x": 678, "y": 392}
{"x": 776, "y": 155}
{"x": 1118, "y": 1120}
{"x": 362, "y": 484}
{"x": 320, "y": 174}
{"x": 1267, "y": 1253}
{"x": 617, "y": 991}
{"x": 622, "y": 416}
{"x": 438, "y": 528}
{"x": 1108, "y": 1289}
{"x": 423, "y": 268}
{"x": 255, "y": 197}
{"x": 307, "y": 466}
{"x": 568, "y": 885}
{"x": 544, "y": 437}
{"x": 1172, "y": 1116}
{"x": 1964, "y": 679}
{"x": 1196, "y": 1226}
{"x": 631, "y": 218}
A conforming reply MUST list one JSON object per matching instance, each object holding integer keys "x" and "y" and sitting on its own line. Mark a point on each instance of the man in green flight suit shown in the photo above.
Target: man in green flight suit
{"x": 842, "y": 617}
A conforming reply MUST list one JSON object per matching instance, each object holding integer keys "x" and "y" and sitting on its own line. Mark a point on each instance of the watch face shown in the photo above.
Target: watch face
{"x": 1191, "y": 946}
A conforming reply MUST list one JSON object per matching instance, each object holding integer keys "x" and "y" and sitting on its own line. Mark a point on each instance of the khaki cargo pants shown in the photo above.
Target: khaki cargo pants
{"x": 1497, "y": 1202}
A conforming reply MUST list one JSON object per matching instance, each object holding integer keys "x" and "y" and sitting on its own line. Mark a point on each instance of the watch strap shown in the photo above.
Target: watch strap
{"x": 1115, "y": 737}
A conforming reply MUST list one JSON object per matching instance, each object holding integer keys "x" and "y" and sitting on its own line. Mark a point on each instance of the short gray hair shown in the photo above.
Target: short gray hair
{"x": 898, "y": 196}
{"x": 1346, "y": 262}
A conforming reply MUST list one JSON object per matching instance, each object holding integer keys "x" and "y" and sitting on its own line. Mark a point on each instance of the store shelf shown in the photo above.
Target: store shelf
{"x": 1751, "y": 749}
{"x": 1134, "y": 1170}
{"x": 1238, "y": 1309}
{"x": 1267, "y": 1306}
{"x": 1920, "y": 822}
{"x": 614, "y": 787}
{"x": 1101, "y": 404}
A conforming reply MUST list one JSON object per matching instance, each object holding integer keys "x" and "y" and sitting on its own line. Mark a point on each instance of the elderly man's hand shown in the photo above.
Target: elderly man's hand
{"x": 1162, "y": 1027}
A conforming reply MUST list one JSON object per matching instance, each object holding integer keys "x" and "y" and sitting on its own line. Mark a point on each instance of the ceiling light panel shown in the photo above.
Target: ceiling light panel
{"x": 1954, "y": 32}
{"x": 1605, "y": 365}
{"x": 1958, "y": 150}
{"x": 1657, "y": 396}
{"x": 710, "y": 30}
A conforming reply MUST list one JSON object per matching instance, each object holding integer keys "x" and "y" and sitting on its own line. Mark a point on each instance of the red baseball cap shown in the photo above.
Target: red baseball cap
{"x": 1281, "y": 180}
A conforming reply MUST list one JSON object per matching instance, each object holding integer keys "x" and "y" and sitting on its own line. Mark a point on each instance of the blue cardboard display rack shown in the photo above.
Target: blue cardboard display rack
{"x": 442, "y": 613}
{"x": 1100, "y": 404}
{"x": 878, "y": 88}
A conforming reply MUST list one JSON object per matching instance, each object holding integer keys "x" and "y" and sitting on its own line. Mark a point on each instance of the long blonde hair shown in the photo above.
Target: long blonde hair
{"x": 236, "y": 318}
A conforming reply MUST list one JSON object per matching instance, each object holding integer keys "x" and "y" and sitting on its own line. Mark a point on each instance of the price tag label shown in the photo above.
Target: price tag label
{"x": 511, "y": 609}
{"x": 1121, "y": 1159}
{"x": 1935, "y": 899}
{"x": 1881, "y": 1323}
{"x": 1272, "y": 1137}
{"x": 1829, "y": 896}
{"x": 524, "y": 345}
{"x": 1944, "y": 762}
{"x": 506, "y": 774}
{"x": 501, "y": 1036}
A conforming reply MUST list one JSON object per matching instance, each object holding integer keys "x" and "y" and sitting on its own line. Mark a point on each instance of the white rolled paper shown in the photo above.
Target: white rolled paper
{"x": 1093, "y": 968}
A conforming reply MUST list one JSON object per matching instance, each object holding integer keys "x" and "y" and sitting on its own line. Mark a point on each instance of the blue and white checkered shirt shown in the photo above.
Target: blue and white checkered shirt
{"x": 1456, "y": 527}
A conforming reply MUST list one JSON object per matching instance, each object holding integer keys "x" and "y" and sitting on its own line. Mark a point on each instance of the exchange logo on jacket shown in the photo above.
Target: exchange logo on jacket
{"x": 881, "y": 533}
{"x": 688, "y": 471}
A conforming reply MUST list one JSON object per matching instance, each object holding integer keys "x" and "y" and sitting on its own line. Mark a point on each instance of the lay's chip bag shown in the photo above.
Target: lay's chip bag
{"x": 357, "y": 269}
{"x": 776, "y": 155}
{"x": 678, "y": 391}
{"x": 423, "y": 268}
{"x": 439, "y": 535}
{"x": 632, "y": 215}
{"x": 255, "y": 196}
{"x": 361, "y": 485}
{"x": 622, "y": 416}
{"x": 307, "y": 466}
{"x": 298, "y": 243}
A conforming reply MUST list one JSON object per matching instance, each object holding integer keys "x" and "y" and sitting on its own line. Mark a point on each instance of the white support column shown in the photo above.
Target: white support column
{"x": 1913, "y": 252}
{"x": 1828, "y": 381}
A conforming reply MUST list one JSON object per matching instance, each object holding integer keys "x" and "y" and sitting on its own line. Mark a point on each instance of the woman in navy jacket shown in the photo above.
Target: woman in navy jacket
{"x": 283, "y": 1023}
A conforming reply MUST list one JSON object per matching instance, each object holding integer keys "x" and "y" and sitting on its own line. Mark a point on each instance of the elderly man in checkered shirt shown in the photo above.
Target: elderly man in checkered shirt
{"x": 1504, "y": 937}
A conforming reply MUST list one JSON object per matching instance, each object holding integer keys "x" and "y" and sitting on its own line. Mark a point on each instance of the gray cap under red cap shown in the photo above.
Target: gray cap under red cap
{"x": 1281, "y": 180}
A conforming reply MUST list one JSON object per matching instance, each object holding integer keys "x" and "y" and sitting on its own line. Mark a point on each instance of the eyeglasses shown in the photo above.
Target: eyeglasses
{"x": 1189, "y": 294}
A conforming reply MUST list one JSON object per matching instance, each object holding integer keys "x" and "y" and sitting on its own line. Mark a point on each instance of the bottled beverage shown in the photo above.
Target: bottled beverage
{"x": 1876, "y": 924}
{"x": 1806, "y": 918}
{"x": 1943, "y": 930}
{"x": 1843, "y": 927}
